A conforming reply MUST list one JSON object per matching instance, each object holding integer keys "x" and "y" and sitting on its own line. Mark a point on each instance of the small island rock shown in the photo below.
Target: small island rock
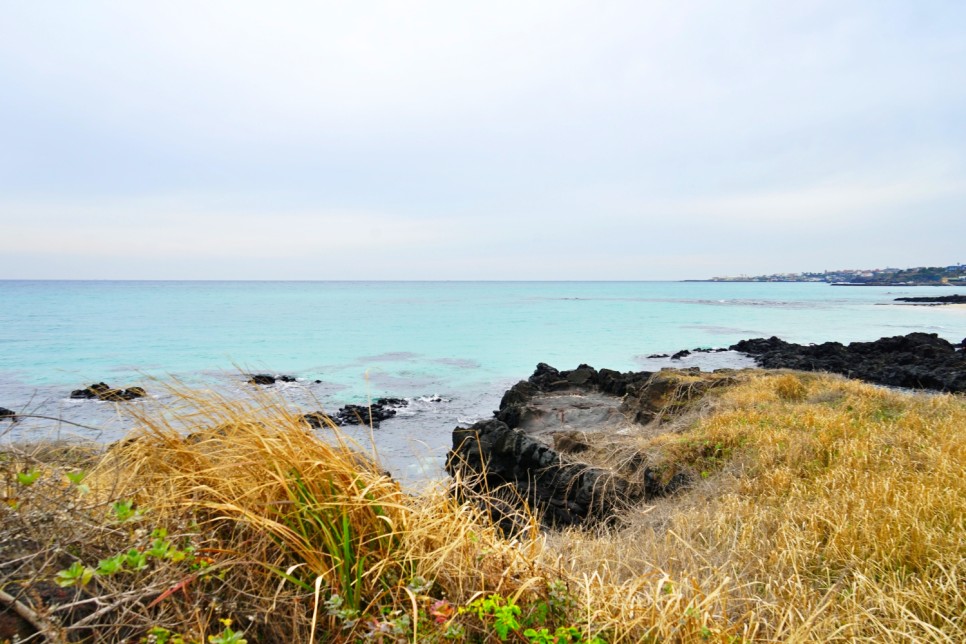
{"x": 103, "y": 391}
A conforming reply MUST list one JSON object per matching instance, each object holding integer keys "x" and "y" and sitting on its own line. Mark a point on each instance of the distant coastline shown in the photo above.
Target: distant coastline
{"x": 953, "y": 275}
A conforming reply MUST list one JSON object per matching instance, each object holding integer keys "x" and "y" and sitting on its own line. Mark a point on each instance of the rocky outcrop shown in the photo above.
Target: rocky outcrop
{"x": 942, "y": 299}
{"x": 670, "y": 392}
{"x": 536, "y": 449}
{"x": 317, "y": 419}
{"x": 511, "y": 466}
{"x": 268, "y": 379}
{"x": 363, "y": 415}
{"x": 915, "y": 361}
{"x": 516, "y": 405}
{"x": 380, "y": 409}
{"x": 544, "y": 447}
{"x": 684, "y": 353}
{"x": 103, "y": 391}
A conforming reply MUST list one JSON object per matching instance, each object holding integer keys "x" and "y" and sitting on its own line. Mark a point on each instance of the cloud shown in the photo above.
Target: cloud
{"x": 146, "y": 229}
{"x": 474, "y": 140}
{"x": 821, "y": 204}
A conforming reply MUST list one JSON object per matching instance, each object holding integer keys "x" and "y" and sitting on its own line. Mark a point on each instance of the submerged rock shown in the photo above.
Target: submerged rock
{"x": 268, "y": 379}
{"x": 103, "y": 391}
{"x": 363, "y": 415}
{"x": 941, "y": 299}
{"x": 380, "y": 410}
{"x": 396, "y": 403}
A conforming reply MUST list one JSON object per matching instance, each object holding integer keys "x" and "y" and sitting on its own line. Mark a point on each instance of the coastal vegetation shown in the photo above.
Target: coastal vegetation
{"x": 820, "y": 509}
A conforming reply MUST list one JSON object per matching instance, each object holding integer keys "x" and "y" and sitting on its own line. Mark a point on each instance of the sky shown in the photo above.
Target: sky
{"x": 479, "y": 140}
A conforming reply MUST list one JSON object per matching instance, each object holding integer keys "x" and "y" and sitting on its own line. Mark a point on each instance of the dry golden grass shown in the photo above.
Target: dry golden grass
{"x": 828, "y": 510}
{"x": 824, "y": 510}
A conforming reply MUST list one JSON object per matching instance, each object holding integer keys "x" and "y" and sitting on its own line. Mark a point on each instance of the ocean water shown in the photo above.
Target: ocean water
{"x": 452, "y": 348}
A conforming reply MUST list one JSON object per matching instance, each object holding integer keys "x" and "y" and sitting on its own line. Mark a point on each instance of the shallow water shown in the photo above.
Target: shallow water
{"x": 465, "y": 341}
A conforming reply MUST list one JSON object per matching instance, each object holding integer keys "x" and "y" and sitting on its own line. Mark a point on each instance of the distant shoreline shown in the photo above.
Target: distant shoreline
{"x": 892, "y": 284}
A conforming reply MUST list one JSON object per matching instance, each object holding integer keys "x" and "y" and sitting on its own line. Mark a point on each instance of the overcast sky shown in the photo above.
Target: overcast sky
{"x": 484, "y": 140}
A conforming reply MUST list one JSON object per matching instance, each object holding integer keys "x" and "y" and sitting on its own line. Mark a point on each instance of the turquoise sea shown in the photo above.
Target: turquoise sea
{"x": 463, "y": 342}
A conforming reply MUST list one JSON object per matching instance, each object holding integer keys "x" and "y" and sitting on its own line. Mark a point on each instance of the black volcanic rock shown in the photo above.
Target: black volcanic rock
{"x": 396, "y": 403}
{"x": 759, "y": 346}
{"x": 915, "y": 361}
{"x": 617, "y": 383}
{"x": 498, "y": 459}
{"x": 380, "y": 410}
{"x": 514, "y": 408}
{"x": 317, "y": 419}
{"x": 669, "y": 392}
{"x": 530, "y": 452}
{"x": 941, "y": 299}
{"x": 363, "y": 415}
{"x": 521, "y": 455}
{"x": 268, "y": 379}
{"x": 103, "y": 391}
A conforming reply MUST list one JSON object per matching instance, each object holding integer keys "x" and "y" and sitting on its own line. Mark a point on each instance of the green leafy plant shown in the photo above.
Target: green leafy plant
{"x": 543, "y": 636}
{"x": 124, "y": 510}
{"x": 110, "y": 566}
{"x": 335, "y": 607}
{"x": 395, "y": 625}
{"x": 504, "y": 612}
{"x": 563, "y": 634}
{"x": 135, "y": 560}
{"x": 29, "y": 477}
{"x": 76, "y": 477}
{"x": 78, "y": 573}
{"x": 161, "y": 635}
{"x": 227, "y": 636}
{"x": 160, "y": 548}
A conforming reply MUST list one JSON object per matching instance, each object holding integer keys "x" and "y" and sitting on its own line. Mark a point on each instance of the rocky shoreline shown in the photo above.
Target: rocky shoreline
{"x": 914, "y": 361}
{"x": 555, "y": 442}
{"x": 552, "y": 443}
{"x": 940, "y": 300}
